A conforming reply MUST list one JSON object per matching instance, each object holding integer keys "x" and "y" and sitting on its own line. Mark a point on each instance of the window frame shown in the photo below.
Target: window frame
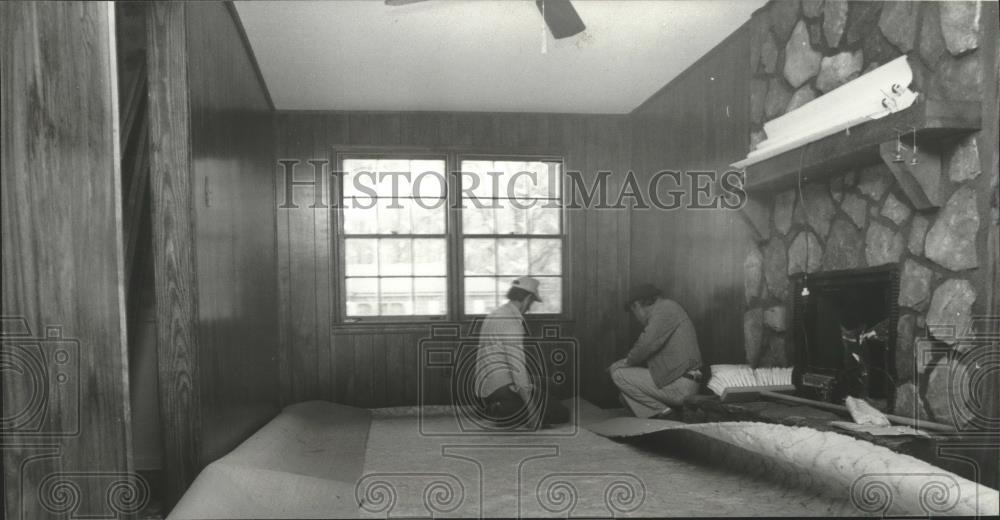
{"x": 563, "y": 230}
{"x": 455, "y": 270}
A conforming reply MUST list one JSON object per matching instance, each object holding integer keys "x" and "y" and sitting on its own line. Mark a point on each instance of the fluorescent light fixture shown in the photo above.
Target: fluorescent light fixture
{"x": 878, "y": 93}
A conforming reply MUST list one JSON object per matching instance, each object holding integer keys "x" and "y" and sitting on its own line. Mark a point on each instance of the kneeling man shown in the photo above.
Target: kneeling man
{"x": 512, "y": 396}
{"x": 663, "y": 367}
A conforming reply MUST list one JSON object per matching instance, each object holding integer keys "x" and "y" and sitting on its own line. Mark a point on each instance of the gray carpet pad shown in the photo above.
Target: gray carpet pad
{"x": 429, "y": 465}
{"x": 303, "y": 464}
{"x": 321, "y": 460}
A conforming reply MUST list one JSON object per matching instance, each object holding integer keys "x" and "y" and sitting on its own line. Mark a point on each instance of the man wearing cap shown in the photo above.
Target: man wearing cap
{"x": 662, "y": 368}
{"x": 511, "y": 398}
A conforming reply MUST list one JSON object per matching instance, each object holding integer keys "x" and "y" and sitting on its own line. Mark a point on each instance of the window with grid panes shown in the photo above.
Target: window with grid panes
{"x": 511, "y": 226}
{"x": 395, "y": 260}
{"x": 395, "y": 249}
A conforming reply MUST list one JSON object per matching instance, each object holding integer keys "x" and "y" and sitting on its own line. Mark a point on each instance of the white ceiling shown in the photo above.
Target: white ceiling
{"x": 479, "y": 55}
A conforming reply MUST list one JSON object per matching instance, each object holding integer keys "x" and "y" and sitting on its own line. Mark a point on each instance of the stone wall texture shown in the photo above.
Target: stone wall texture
{"x": 861, "y": 218}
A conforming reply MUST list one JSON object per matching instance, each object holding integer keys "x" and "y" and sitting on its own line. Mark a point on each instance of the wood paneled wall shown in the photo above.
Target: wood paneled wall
{"x": 65, "y": 389}
{"x": 365, "y": 366}
{"x": 213, "y": 206}
{"x": 232, "y": 158}
{"x": 699, "y": 121}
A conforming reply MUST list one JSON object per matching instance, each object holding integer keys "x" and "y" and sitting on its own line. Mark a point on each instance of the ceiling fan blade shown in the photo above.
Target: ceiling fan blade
{"x": 561, "y": 18}
{"x": 401, "y": 2}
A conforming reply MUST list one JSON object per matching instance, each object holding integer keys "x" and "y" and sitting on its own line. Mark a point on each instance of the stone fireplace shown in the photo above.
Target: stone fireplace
{"x": 859, "y": 218}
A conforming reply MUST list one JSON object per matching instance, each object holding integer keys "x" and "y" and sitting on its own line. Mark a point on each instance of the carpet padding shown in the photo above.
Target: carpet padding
{"x": 303, "y": 464}
{"x": 321, "y": 460}
{"x": 412, "y": 470}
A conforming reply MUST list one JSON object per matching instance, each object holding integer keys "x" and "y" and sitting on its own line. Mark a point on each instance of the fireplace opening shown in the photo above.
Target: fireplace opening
{"x": 844, "y": 335}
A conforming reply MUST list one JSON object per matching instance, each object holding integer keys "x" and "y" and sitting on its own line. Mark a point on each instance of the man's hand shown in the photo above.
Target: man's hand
{"x": 621, "y": 363}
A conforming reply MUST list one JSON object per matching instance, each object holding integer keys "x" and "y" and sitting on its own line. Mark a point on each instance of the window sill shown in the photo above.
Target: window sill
{"x": 425, "y": 325}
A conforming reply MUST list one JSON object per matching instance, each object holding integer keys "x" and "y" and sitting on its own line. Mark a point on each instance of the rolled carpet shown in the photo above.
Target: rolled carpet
{"x": 875, "y": 479}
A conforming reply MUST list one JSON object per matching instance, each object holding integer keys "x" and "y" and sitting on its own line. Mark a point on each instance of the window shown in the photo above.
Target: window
{"x": 405, "y": 255}
{"x": 395, "y": 247}
{"x": 511, "y": 226}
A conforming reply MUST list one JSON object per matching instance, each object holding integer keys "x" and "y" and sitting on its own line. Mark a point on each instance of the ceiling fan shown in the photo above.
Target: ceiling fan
{"x": 560, "y": 16}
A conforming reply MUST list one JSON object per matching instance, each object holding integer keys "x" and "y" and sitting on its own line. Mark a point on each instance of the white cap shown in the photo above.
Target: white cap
{"x": 528, "y": 284}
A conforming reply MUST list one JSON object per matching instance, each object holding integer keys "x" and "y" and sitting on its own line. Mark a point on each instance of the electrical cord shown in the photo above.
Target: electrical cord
{"x": 805, "y": 277}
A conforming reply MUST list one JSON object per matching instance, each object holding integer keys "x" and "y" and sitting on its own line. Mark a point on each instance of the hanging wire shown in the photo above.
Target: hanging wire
{"x": 802, "y": 201}
{"x": 805, "y": 277}
{"x": 545, "y": 39}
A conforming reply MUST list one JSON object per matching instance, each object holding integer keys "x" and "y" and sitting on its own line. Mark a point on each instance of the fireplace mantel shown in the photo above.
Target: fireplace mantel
{"x": 859, "y": 146}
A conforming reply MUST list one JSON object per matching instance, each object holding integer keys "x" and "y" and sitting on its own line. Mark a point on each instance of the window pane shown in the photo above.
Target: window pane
{"x": 543, "y": 220}
{"x": 392, "y": 171}
{"x": 549, "y": 179}
{"x": 429, "y": 257}
{"x": 393, "y": 220}
{"x": 430, "y": 296}
{"x": 395, "y": 257}
{"x": 478, "y": 221}
{"x": 427, "y": 221}
{"x": 480, "y": 295}
{"x": 362, "y": 296}
{"x": 357, "y": 171}
{"x": 397, "y": 296}
{"x": 476, "y": 179}
{"x": 511, "y": 183}
{"x": 480, "y": 256}
{"x": 361, "y": 257}
{"x": 545, "y": 256}
{"x": 431, "y": 175}
{"x": 512, "y": 256}
{"x": 503, "y": 285}
{"x": 550, "y": 288}
{"x": 359, "y": 221}
{"x": 511, "y": 219}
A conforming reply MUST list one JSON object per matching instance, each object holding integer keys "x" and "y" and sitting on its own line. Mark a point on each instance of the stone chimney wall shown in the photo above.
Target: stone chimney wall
{"x": 861, "y": 218}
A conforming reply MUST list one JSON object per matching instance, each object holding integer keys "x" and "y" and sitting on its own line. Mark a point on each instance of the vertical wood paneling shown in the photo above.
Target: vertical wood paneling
{"x": 214, "y": 237}
{"x": 379, "y": 368}
{"x": 62, "y": 256}
{"x": 173, "y": 246}
{"x": 234, "y": 200}
{"x": 700, "y": 121}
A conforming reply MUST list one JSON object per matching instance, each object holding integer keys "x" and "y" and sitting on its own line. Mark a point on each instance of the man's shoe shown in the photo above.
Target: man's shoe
{"x": 669, "y": 414}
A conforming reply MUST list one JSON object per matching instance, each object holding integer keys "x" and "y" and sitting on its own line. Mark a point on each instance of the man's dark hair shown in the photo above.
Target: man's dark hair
{"x": 517, "y": 294}
{"x": 645, "y": 294}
